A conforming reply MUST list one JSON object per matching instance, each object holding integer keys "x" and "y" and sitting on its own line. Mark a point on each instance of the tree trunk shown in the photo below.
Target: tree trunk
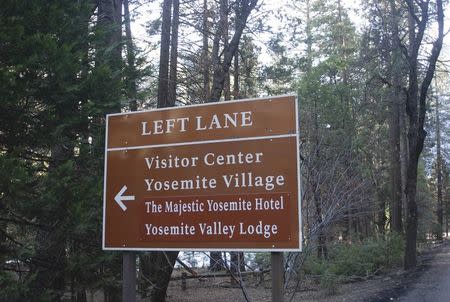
{"x": 218, "y": 36}
{"x": 164, "y": 267}
{"x": 216, "y": 262}
{"x": 109, "y": 22}
{"x": 416, "y": 111}
{"x": 414, "y": 148}
{"x": 446, "y": 199}
{"x": 223, "y": 67}
{"x": 236, "y": 69}
{"x": 234, "y": 262}
{"x": 221, "y": 71}
{"x": 237, "y": 262}
{"x": 322, "y": 250}
{"x": 147, "y": 272}
{"x": 439, "y": 171}
{"x": 236, "y": 90}
{"x": 131, "y": 68}
{"x": 205, "y": 52}
{"x": 403, "y": 159}
{"x": 163, "y": 75}
{"x": 174, "y": 53}
{"x": 224, "y": 18}
{"x": 396, "y": 181}
{"x": 164, "y": 261}
{"x": 309, "y": 37}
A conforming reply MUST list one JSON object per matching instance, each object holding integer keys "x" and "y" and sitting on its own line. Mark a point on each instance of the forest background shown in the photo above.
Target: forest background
{"x": 374, "y": 107}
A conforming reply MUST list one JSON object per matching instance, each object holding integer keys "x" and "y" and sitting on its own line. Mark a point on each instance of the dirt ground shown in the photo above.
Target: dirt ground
{"x": 220, "y": 290}
{"x": 388, "y": 287}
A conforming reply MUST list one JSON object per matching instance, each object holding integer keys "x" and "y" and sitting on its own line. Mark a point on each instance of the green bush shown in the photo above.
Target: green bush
{"x": 356, "y": 259}
{"x": 314, "y": 266}
{"x": 395, "y": 247}
{"x": 329, "y": 283}
{"x": 367, "y": 257}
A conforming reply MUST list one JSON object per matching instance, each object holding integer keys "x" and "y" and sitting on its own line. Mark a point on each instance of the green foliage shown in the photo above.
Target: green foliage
{"x": 55, "y": 89}
{"x": 426, "y": 207}
{"x": 371, "y": 256}
{"x": 11, "y": 290}
{"x": 329, "y": 283}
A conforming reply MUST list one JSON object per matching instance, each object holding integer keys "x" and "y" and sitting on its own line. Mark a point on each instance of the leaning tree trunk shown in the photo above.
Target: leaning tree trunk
{"x": 223, "y": 67}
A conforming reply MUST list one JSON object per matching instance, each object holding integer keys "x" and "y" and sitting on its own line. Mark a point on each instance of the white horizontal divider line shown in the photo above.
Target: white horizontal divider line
{"x": 253, "y": 138}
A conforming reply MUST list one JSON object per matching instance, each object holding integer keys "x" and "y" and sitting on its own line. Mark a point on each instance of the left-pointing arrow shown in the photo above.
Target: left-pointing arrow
{"x": 120, "y": 198}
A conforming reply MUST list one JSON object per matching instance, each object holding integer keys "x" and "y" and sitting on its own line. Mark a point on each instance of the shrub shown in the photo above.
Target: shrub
{"x": 355, "y": 259}
{"x": 329, "y": 283}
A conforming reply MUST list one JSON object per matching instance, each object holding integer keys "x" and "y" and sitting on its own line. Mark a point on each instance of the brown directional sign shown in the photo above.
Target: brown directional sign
{"x": 204, "y": 177}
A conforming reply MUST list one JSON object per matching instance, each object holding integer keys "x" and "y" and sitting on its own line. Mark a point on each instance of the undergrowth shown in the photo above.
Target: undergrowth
{"x": 351, "y": 260}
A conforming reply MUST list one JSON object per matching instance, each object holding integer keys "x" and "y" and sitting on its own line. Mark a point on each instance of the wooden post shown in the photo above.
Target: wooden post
{"x": 277, "y": 276}
{"x": 129, "y": 277}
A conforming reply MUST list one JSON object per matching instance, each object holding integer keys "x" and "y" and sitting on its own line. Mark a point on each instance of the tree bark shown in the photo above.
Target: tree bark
{"x": 322, "y": 250}
{"x": 216, "y": 262}
{"x": 446, "y": 199}
{"x": 237, "y": 262}
{"x": 236, "y": 90}
{"x": 416, "y": 111}
{"x": 223, "y": 66}
{"x": 439, "y": 172}
{"x": 174, "y": 53}
{"x": 224, "y": 26}
{"x": 131, "y": 58}
{"x": 221, "y": 70}
{"x": 109, "y": 21}
{"x": 215, "y": 57}
{"x": 165, "y": 261}
{"x": 396, "y": 177}
{"x": 163, "y": 75}
{"x": 164, "y": 267}
{"x": 205, "y": 52}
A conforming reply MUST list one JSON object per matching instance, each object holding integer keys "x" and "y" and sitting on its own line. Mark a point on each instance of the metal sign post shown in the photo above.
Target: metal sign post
{"x": 277, "y": 276}
{"x": 129, "y": 277}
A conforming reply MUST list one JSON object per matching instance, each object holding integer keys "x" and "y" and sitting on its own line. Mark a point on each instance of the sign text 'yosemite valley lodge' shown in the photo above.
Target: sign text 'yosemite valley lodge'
{"x": 204, "y": 177}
